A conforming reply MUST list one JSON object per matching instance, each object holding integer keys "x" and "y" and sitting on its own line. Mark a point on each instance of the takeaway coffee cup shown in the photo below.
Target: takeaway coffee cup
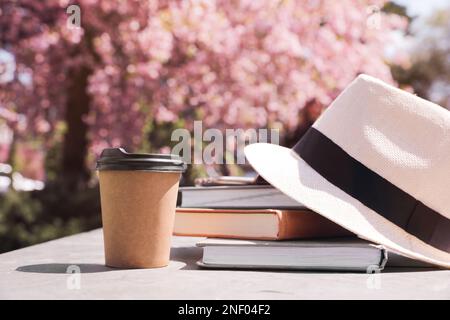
{"x": 138, "y": 195}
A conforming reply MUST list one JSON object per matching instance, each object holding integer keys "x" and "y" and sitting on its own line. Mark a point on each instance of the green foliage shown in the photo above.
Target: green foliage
{"x": 395, "y": 8}
{"x": 422, "y": 73}
{"x": 158, "y": 134}
{"x": 430, "y": 61}
{"x": 53, "y": 160}
{"x": 27, "y": 218}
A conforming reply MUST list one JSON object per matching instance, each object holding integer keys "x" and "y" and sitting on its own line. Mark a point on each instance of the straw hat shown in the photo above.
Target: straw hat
{"x": 376, "y": 162}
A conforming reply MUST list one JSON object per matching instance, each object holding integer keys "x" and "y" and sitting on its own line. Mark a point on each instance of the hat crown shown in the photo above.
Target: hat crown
{"x": 401, "y": 137}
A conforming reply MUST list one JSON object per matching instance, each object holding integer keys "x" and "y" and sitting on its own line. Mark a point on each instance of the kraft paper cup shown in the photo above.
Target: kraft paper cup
{"x": 138, "y": 197}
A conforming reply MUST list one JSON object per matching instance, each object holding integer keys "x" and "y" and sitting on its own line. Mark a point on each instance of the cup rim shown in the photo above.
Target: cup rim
{"x": 120, "y": 159}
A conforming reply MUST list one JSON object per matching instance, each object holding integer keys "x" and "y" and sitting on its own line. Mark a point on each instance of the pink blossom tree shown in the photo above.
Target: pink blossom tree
{"x": 239, "y": 63}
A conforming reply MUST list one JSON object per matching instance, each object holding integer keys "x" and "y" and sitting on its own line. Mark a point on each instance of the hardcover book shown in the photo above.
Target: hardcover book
{"x": 235, "y": 197}
{"x": 343, "y": 254}
{"x": 268, "y": 224}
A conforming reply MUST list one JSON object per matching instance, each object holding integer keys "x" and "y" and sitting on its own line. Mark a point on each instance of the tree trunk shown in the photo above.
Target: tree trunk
{"x": 74, "y": 173}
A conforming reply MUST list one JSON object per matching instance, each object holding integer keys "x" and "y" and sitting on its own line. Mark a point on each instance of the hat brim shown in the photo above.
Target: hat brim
{"x": 287, "y": 172}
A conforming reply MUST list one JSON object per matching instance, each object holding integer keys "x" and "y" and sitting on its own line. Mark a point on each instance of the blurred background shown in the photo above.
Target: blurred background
{"x": 127, "y": 73}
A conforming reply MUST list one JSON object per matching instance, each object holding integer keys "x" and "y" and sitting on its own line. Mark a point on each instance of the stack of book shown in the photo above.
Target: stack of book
{"x": 250, "y": 225}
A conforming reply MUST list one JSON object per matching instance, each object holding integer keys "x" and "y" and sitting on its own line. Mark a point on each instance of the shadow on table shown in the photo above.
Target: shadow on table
{"x": 410, "y": 269}
{"x": 65, "y": 268}
{"x": 298, "y": 271}
{"x": 187, "y": 255}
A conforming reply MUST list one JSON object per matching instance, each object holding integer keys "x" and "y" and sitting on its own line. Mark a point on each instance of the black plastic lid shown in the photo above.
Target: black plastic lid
{"x": 119, "y": 159}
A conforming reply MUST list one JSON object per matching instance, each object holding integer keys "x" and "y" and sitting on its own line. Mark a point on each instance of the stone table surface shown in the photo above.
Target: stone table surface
{"x": 40, "y": 272}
